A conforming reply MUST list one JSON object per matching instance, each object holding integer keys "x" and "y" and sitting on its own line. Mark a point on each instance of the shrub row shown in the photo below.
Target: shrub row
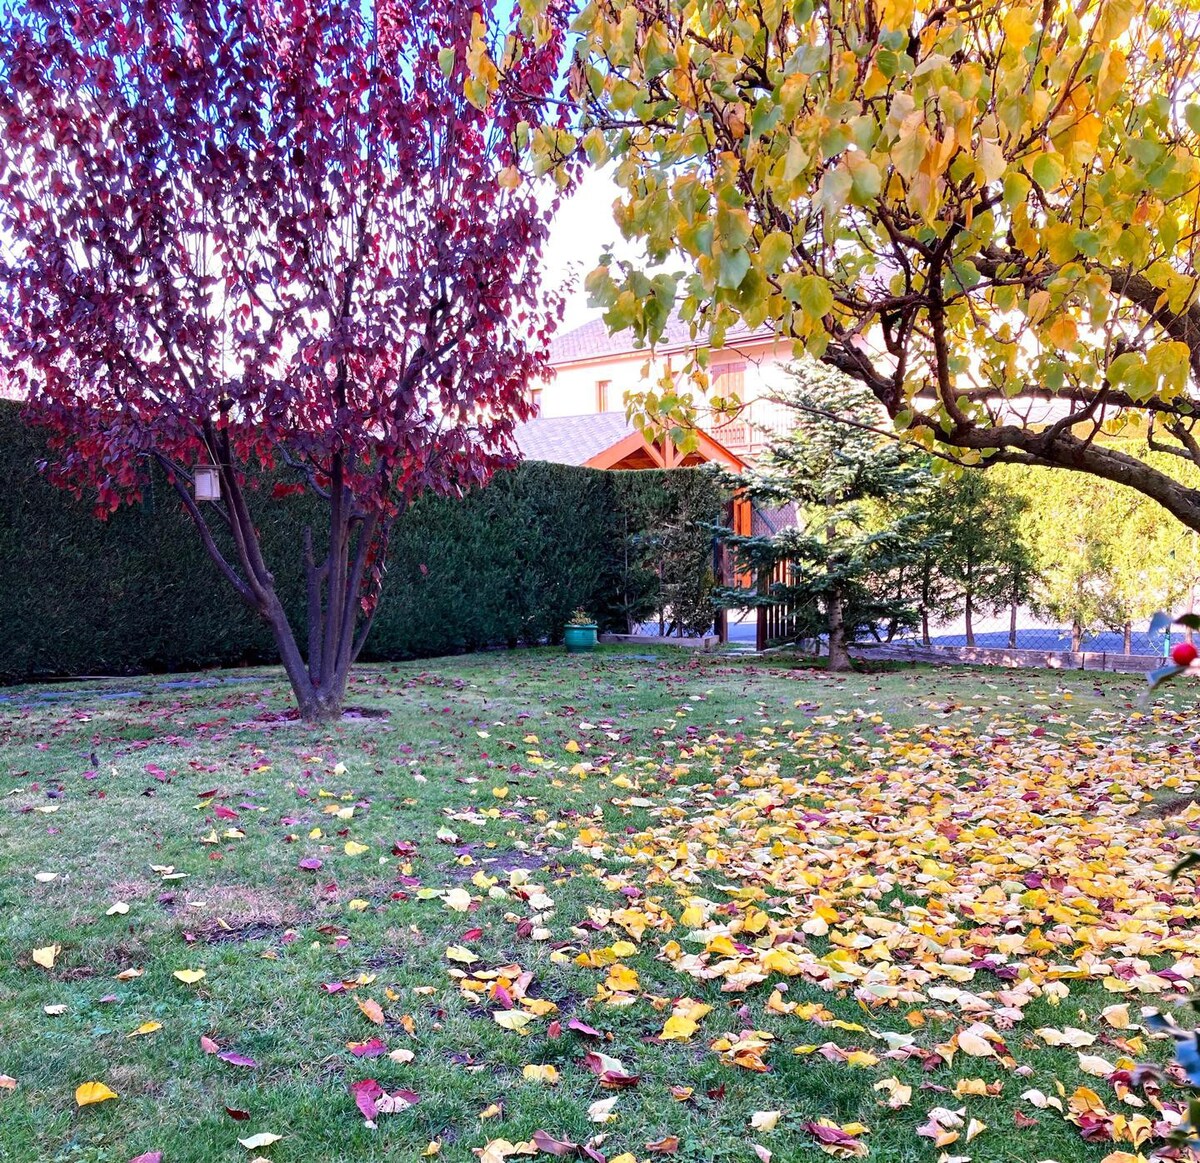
{"x": 505, "y": 565}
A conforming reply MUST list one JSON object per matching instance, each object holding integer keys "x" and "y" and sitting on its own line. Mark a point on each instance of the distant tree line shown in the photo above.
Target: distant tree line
{"x": 889, "y": 540}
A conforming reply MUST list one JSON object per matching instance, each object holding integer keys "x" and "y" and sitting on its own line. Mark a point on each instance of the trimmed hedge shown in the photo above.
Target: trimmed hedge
{"x": 505, "y": 565}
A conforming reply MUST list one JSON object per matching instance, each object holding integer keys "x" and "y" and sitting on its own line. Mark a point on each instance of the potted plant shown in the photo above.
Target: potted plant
{"x": 580, "y": 633}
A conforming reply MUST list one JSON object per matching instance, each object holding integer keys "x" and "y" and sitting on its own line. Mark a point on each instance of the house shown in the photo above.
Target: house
{"x": 581, "y": 409}
{"x": 593, "y": 372}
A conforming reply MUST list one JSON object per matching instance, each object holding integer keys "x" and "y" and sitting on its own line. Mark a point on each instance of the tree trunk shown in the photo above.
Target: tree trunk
{"x": 1012, "y": 626}
{"x": 342, "y": 589}
{"x": 970, "y": 625}
{"x": 839, "y": 656}
{"x": 1076, "y": 636}
{"x": 1127, "y": 641}
{"x": 925, "y": 627}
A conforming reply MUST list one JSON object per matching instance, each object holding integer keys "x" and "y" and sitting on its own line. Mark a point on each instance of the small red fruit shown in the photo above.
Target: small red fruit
{"x": 1184, "y": 654}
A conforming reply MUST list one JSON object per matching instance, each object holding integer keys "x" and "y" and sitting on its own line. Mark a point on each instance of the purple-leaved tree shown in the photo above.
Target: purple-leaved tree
{"x": 277, "y": 234}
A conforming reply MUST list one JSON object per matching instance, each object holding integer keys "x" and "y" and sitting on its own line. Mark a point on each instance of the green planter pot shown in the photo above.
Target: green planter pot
{"x": 580, "y": 639}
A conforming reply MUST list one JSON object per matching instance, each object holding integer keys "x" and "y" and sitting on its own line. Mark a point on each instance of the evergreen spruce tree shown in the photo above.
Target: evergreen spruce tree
{"x": 856, "y": 522}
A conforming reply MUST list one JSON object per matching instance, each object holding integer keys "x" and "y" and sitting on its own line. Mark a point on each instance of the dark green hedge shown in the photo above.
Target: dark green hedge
{"x": 505, "y": 565}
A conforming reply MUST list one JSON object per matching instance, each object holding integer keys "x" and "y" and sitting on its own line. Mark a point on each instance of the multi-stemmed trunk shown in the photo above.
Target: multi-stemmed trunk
{"x": 341, "y": 587}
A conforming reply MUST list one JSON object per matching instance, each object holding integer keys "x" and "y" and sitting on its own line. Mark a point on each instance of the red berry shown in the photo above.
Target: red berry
{"x": 1184, "y": 654}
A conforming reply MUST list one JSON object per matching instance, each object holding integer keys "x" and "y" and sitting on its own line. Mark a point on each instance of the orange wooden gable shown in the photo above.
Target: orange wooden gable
{"x": 636, "y": 452}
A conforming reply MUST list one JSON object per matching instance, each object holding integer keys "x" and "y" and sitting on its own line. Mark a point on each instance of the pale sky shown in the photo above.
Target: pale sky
{"x": 582, "y": 229}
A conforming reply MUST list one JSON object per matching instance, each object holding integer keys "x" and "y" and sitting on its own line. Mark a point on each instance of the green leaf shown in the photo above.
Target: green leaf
{"x": 909, "y": 152}
{"x": 732, "y": 267}
{"x": 776, "y": 249}
{"x": 1048, "y": 171}
{"x": 866, "y": 180}
{"x": 814, "y": 296}
{"x": 446, "y": 62}
{"x": 834, "y": 192}
{"x": 1016, "y": 188}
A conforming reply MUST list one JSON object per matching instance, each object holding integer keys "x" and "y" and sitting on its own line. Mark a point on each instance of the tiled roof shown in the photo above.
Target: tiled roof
{"x": 570, "y": 439}
{"x": 592, "y": 340}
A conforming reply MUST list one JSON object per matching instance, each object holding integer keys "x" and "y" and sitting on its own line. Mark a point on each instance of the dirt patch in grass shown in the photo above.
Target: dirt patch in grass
{"x": 241, "y": 913}
{"x": 500, "y": 861}
{"x": 232, "y": 934}
{"x": 1164, "y": 807}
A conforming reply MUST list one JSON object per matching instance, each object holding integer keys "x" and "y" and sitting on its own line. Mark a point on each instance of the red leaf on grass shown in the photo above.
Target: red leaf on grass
{"x": 560, "y": 1148}
{"x": 372, "y": 1048}
{"x": 236, "y": 1059}
{"x": 366, "y": 1093}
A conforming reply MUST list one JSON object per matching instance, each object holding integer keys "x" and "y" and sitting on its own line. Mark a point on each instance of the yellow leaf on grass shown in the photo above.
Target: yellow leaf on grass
{"x": 974, "y": 1128}
{"x": 117, "y": 910}
{"x": 189, "y": 976}
{"x": 45, "y": 956}
{"x": 512, "y": 1020}
{"x": 354, "y": 848}
{"x": 432, "y": 1149}
{"x": 678, "y": 1029}
{"x": 1096, "y": 1066}
{"x": 457, "y": 899}
{"x": 1117, "y": 1016}
{"x": 144, "y": 1028}
{"x": 601, "y": 1111}
{"x": 622, "y": 979}
{"x": 262, "y": 1139}
{"x": 1068, "y": 1037}
{"x": 547, "y": 1074}
{"x": 88, "y": 1093}
{"x": 371, "y": 1009}
{"x": 461, "y": 953}
{"x": 975, "y": 1044}
{"x": 358, "y": 905}
{"x": 497, "y": 1150}
{"x": 965, "y": 1087}
{"x": 765, "y": 1120}
{"x": 899, "y": 1094}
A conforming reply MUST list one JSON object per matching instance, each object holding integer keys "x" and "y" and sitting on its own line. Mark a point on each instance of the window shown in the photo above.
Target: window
{"x": 602, "y": 394}
{"x": 535, "y": 398}
{"x": 729, "y": 380}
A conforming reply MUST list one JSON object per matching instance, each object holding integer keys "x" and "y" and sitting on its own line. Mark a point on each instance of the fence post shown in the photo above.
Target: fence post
{"x": 721, "y": 571}
{"x": 760, "y": 634}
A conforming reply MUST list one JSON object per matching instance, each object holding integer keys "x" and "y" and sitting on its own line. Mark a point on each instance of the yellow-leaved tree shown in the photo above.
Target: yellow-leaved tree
{"x": 985, "y": 212}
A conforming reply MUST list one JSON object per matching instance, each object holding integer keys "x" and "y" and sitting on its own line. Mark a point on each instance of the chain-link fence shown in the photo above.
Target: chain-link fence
{"x": 1009, "y": 640}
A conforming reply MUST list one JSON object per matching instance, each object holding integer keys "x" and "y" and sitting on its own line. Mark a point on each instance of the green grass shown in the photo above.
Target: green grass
{"x": 102, "y": 791}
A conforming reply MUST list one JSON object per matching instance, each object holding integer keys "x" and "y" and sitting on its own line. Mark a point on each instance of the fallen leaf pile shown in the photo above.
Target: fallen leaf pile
{"x": 960, "y": 922}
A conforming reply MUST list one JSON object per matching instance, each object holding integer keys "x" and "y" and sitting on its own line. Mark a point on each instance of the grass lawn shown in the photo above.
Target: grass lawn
{"x": 661, "y": 907}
